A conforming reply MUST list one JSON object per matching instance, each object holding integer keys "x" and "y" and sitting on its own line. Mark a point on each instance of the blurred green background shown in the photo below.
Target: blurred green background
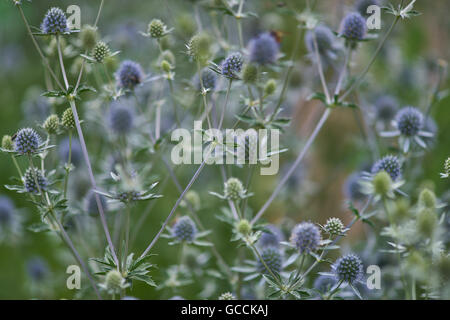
{"x": 337, "y": 152}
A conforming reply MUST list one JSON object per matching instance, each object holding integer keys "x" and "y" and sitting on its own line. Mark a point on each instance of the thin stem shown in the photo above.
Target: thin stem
{"x": 172, "y": 94}
{"x": 61, "y": 62}
{"x": 288, "y": 73}
{"x": 265, "y": 264}
{"x": 238, "y": 17}
{"x": 300, "y": 157}
{"x": 330, "y": 295}
{"x": 320, "y": 68}
{"x": 372, "y": 60}
{"x": 177, "y": 203}
{"x": 222, "y": 116}
{"x": 343, "y": 72}
{"x": 43, "y": 58}
{"x": 69, "y": 161}
{"x": 17, "y": 166}
{"x": 203, "y": 93}
{"x": 127, "y": 234}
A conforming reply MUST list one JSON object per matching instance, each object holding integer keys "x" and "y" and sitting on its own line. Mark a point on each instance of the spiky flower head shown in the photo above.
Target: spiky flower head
{"x": 306, "y": 237}
{"x": 51, "y": 124}
{"x": 334, "y": 226}
{"x": 6, "y": 210}
{"x": 100, "y": 51}
{"x": 232, "y": 65}
{"x": 130, "y": 74}
{"x": 390, "y": 164}
{"x": 88, "y": 37}
{"x": 91, "y": 204}
{"x": 29, "y": 179}
{"x": 227, "y": 296}
{"x": 67, "y": 119}
{"x": 386, "y": 108}
{"x": 409, "y": 121}
{"x": 447, "y": 167}
{"x": 199, "y": 47}
{"x": 427, "y": 222}
{"x": 272, "y": 259}
{"x": 348, "y": 268}
{"x": 209, "y": 79}
{"x": 427, "y": 199}
{"x": 264, "y": 49}
{"x": 7, "y": 143}
{"x": 192, "y": 199}
{"x": 185, "y": 229}
{"x": 121, "y": 119}
{"x": 382, "y": 183}
{"x": 270, "y": 87}
{"x": 37, "y": 269}
{"x": 353, "y": 26}
{"x": 76, "y": 155}
{"x": 27, "y": 141}
{"x": 352, "y": 187}
{"x": 156, "y": 28}
{"x": 234, "y": 189}
{"x": 166, "y": 66}
{"x": 250, "y": 73}
{"x": 244, "y": 227}
{"x": 55, "y": 21}
{"x": 114, "y": 281}
{"x": 362, "y": 5}
{"x": 324, "y": 37}
{"x": 271, "y": 238}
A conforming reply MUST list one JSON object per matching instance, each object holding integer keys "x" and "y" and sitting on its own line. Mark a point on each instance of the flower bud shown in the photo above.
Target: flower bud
{"x": 67, "y": 119}
{"x": 244, "y": 227}
{"x": 51, "y": 124}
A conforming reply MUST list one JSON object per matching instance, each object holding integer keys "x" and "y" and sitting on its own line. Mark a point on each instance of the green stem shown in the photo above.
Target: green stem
{"x": 68, "y": 165}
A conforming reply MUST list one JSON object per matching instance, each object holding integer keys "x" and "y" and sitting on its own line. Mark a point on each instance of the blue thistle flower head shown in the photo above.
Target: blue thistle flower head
{"x": 324, "y": 37}
{"x": 272, "y": 258}
{"x": 409, "y": 121}
{"x": 130, "y": 74}
{"x": 385, "y": 108}
{"x": 208, "y": 78}
{"x": 348, "y": 268}
{"x": 352, "y": 187}
{"x": 306, "y": 237}
{"x": 55, "y": 21}
{"x": 232, "y": 65}
{"x": 272, "y": 239}
{"x": 76, "y": 155}
{"x": 30, "y": 181}
{"x": 184, "y": 229}
{"x": 264, "y": 49}
{"x": 390, "y": 164}
{"x": 6, "y": 210}
{"x": 121, "y": 119}
{"x": 37, "y": 269}
{"x": 27, "y": 141}
{"x": 353, "y": 26}
{"x": 91, "y": 204}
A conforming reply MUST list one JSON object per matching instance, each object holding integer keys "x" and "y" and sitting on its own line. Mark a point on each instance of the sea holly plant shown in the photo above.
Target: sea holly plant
{"x": 285, "y": 236}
